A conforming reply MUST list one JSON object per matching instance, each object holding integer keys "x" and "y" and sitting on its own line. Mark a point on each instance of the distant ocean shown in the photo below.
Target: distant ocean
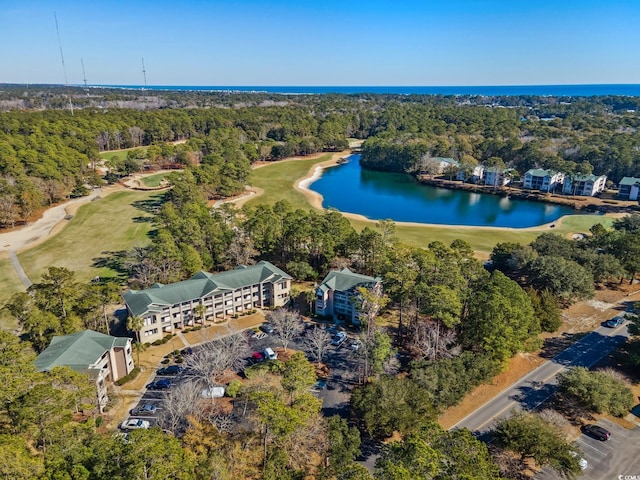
{"x": 632, "y": 90}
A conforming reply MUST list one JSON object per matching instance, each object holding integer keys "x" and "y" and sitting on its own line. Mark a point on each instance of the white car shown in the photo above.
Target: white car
{"x": 581, "y": 461}
{"x": 339, "y": 339}
{"x": 269, "y": 354}
{"x": 355, "y": 346}
{"x": 134, "y": 424}
{"x": 212, "y": 392}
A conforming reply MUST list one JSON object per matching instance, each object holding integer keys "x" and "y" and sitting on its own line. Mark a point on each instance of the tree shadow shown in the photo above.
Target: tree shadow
{"x": 143, "y": 219}
{"x": 151, "y": 205}
{"x": 115, "y": 261}
{"x": 555, "y": 345}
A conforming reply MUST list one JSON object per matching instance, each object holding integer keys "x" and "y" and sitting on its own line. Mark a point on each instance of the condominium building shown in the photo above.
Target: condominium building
{"x": 207, "y": 297}
{"x": 103, "y": 357}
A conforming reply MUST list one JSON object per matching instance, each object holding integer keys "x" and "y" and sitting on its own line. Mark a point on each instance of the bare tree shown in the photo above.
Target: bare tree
{"x": 432, "y": 341}
{"x": 177, "y": 405}
{"x": 287, "y": 325}
{"x": 318, "y": 341}
{"x": 241, "y": 250}
{"x": 210, "y": 362}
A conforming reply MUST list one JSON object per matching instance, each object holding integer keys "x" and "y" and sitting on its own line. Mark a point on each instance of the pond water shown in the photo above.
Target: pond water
{"x": 381, "y": 195}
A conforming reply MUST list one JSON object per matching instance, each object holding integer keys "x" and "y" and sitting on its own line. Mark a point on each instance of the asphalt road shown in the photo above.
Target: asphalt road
{"x": 538, "y": 385}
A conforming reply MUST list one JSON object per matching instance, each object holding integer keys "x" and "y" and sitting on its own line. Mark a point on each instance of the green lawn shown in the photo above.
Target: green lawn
{"x": 120, "y": 154}
{"x": 277, "y": 181}
{"x": 9, "y": 284}
{"x": 154, "y": 180}
{"x": 117, "y": 222}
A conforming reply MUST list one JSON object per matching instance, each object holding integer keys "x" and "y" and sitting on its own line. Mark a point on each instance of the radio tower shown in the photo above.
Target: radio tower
{"x": 144, "y": 74}
{"x": 64, "y": 68}
{"x": 84, "y": 75}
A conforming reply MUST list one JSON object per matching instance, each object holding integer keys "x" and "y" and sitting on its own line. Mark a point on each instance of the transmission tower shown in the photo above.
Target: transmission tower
{"x": 84, "y": 75}
{"x": 64, "y": 68}
{"x": 144, "y": 74}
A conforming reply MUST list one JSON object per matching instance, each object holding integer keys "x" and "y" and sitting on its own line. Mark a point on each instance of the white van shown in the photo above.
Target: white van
{"x": 269, "y": 354}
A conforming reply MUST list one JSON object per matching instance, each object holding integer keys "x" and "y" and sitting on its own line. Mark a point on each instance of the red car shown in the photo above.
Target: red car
{"x": 257, "y": 357}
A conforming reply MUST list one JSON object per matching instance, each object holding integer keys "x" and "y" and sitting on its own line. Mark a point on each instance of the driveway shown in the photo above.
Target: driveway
{"x": 539, "y": 384}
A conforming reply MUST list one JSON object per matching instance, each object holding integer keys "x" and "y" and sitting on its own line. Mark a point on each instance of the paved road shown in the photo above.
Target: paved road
{"x": 538, "y": 385}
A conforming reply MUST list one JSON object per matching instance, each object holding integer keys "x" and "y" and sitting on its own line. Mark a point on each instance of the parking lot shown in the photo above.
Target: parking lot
{"x": 613, "y": 459}
{"x": 344, "y": 366}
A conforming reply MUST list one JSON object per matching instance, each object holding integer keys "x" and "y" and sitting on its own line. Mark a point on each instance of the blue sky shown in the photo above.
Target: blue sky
{"x": 322, "y": 42}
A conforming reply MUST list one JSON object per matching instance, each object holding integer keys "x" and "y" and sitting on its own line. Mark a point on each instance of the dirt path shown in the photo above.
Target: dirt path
{"x": 31, "y": 234}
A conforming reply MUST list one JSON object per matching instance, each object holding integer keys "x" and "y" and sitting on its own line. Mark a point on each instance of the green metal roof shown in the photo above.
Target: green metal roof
{"x": 157, "y": 297}
{"x": 345, "y": 279}
{"x": 540, "y": 172}
{"x": 586, "y": 178}
{"x": 78, "y": 350}
{"x": 629, "y": 181}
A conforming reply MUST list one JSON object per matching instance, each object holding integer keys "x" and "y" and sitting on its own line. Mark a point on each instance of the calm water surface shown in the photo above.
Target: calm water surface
{"x": 381, "y": 195}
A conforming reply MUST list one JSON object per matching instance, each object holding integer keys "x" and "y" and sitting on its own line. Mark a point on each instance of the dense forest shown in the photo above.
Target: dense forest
{"x": 48, "y": 153}
{"x": 458, "y": 321}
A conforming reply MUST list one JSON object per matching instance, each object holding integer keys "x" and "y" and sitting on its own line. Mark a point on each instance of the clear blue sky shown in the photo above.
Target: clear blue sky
{"x": 322, "y": 42}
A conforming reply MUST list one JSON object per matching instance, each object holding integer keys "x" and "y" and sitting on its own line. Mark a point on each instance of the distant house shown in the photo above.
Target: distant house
{"x": 437, "y": 165}
{"x": 585, "y": 185}
{"x": 206, "y": 296}
{"x": 474, "y": 176}
{"x": 629, "y": 188}
{"x": 337, "y": 295}
{"x": 543, "y": 180}
{"x": 103, "y": 357}
{"x": 498, "y": 177}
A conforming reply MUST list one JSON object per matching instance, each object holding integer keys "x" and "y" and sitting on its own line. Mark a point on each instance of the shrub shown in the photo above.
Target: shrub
{"x": 157, "y": 342}
{"x": 234, "y": 388}
{"x": 179, "y": 359}
{"x": 597, "y": 391}
{"x": 127, "y": 378}
{"x": 261, "y": 369}
{"x": 235, "y": 315}
{"x": 147, "y": 344}
{"x": 99, "y": 421}
{"x": 165, "y": 361}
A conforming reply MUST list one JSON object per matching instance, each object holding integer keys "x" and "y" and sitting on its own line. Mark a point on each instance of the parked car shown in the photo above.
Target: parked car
{"x": 597, "y": 432}
{"x": 355, "y": 345}
{"x": 581, "y": 461}
{"x": 269, "y": 354}
{"x": 134, "y": 424}
{"x": 614, "y": 322}
{"x": 159, "y": 385}
{"x": 212, "y": 392}
{"x": 319, "y": 385}
{"x": 267, "y": 328}
{"x": 144, "y": 410}
{"x": 170, "y": 370}
{"x": 339, "y": 339}
{"x": 333, "y": 329}
{"x": 257, "y": 357}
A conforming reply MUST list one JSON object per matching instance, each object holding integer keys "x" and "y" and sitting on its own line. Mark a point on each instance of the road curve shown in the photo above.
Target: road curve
{"x": 539, "y": 384}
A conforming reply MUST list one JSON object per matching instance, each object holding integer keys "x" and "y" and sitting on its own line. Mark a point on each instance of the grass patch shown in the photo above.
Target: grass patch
{"x": 277, "y": 182}
{"x": 9, "y": 284}
{"x": 117, "y": 222}
{"x": 154, "y": 180}
{"x": 119, "y": 154}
